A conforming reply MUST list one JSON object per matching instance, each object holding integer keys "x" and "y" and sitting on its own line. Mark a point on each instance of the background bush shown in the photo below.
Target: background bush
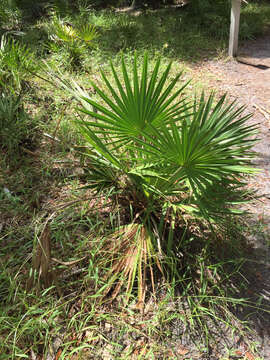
{"x": 17, "y": 128}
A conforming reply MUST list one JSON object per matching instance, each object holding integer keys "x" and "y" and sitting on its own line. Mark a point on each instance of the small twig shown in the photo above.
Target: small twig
{"x": 264, "y": 112}
{"x": 264, "y": 109}
{"x": 51, "y": 137}
{"x": 74, "y": 272}
{"x": 73, "y": 162}
{"x": 68, "y": 263}
{"x": 28, "y": 151}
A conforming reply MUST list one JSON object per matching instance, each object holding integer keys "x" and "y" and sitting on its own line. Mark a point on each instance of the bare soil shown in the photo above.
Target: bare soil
{"x": 247, "y": 80}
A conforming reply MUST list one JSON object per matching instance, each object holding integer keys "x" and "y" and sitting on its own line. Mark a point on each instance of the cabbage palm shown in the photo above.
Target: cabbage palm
{"x": 160, "y": 158}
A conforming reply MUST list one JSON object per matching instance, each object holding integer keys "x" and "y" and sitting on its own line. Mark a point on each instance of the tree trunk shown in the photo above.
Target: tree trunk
{"x": 136, "y": 4}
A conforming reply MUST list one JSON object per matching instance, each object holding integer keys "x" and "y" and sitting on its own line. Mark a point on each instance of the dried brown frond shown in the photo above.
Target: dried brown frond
{"x": 130, "y": 256}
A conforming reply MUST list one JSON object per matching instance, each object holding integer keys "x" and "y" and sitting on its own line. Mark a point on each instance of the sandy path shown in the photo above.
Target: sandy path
{"x": 248, "y": 81}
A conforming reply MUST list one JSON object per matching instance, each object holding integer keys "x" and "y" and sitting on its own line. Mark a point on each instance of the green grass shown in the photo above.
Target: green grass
{"x": 84, "y": 324}
{"x": 41, "y": 175}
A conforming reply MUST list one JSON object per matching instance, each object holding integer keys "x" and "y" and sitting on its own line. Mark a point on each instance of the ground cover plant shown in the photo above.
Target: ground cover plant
{"x": 16, "y": 60}
{"x": 176, "y": 272}
{"x": 160, "y": 160}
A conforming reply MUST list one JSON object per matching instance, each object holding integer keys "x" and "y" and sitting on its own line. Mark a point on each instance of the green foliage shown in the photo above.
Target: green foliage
{"x": 163, "y": 146}
{"x": 203, "y": 7}
{"x": 17, "y": 128}
{"x": 136, "y": 222}
{"x": 30, "y": 321}
{"x": 67, "y": 33}
{"x": 162, "y": 159}
{"x": 253, "y": 18}
{"x": 9, "y": 14}
{"x": 15, "y": 62}
{"x": 74, "y": 40}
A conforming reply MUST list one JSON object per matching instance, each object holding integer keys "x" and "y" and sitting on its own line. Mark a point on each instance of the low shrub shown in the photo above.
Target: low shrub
{"x": 15, "y": 62}
{"x": 164, "y": 161}
{"x": 17, "y": 128}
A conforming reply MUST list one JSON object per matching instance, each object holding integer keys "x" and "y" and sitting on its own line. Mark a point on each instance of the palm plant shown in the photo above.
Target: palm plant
{"x": 16, "y": 127}
{"x": 87, "y": 33}
{"x": 161, "y": 159}
{"x": 68, "y": 33}
{"x": 15, "y": 62}
{"x": 73, "y": 39}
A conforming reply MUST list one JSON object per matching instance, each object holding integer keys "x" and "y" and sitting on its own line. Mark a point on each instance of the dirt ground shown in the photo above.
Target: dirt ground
{"x": 247, "y": 79}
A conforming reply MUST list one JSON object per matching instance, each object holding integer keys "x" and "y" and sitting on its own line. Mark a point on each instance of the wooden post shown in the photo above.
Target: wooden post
{"x": 234, "y": 30}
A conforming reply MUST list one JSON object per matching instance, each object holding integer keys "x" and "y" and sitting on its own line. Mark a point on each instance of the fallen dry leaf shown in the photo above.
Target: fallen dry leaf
{"x": 107, "y": 352}
{"x": 170, "y": 354}
{"x": 58, "y": 354}
{"x": 181, "y": 350}
{"x": 238, "y": 353}
{"x": 249, "y": 356}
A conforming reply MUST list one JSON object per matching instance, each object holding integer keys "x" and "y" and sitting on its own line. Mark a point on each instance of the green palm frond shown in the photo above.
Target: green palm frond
{"x": 145, "y": 128}
{"x": 208, "y": 149}
{"x": 141, "y": 101}
{"x": 16, "y": 60}
{"x": 68, "y": 33}
{"x": 64, "y": 32}
{"x": 159, "y": 157}
{"x": 87, "y": 33}
{"x": 162, "y": 143}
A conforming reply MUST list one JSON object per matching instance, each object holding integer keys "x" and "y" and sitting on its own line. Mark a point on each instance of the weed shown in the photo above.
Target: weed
{"x": 15, "y": 62}
{"x": 17, "y": 129}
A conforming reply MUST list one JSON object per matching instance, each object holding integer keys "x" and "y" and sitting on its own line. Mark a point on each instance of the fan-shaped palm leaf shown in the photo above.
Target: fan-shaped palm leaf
{"x": 87, "y": 33}
{"x": 132, "y": 107}
{"x": 210, "y": 147}
{"x": 64, "y": 32}
{"x": 162, "y": 157}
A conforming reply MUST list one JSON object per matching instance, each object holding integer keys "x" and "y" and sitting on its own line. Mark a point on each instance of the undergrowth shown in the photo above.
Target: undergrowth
{"x": 73, "y": 317}
{"x": 42, "y": 178}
